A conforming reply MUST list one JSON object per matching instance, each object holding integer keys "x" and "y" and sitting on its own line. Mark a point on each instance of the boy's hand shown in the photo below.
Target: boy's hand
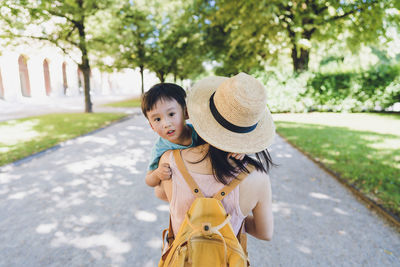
{"x": 164, "y": 171}
{"x": 236, "y": 156}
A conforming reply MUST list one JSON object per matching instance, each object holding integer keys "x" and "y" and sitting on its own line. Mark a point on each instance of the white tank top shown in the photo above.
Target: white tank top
{"x": 182, "y": 197}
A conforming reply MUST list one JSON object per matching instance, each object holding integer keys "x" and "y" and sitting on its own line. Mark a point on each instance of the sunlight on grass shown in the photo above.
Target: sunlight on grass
{"x": 129, "y": 103}
{"x": 13, "y": 132}
{"x": 365, "y": 152}
{"x": 379, "y": 123}
{"x": 23, "y": 137}
{"x": 388, "y": 143}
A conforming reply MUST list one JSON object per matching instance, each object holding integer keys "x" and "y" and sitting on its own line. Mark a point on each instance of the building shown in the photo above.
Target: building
{"x": 38, "y": 71}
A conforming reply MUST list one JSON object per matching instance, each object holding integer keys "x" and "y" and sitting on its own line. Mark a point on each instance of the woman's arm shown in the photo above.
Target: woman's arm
{"x": 261, "y": 223}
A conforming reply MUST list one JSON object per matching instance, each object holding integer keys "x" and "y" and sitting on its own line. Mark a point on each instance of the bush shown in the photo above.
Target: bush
{"x": 377, "y": 88}
{"x": 284, "y": 90}
{"x": 378, "y": 85}
{"x": 374, "y": 89}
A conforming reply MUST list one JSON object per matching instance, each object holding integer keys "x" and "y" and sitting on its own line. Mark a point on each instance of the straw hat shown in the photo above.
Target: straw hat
{"x": 231, "y": 113}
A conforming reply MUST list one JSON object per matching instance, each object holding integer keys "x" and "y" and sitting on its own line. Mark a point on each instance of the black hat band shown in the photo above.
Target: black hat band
{"x": 226, "y": 124}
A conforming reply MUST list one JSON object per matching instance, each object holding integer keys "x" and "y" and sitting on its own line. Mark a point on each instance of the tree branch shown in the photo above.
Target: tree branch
{"x": 41, "y": 38}
{"x": 69, "y": 35}
{"x": 319, "y": 11}
{"x": 355, "y": 9}
{"x": 54, "y": 13}
{"x": 343, "y": 16}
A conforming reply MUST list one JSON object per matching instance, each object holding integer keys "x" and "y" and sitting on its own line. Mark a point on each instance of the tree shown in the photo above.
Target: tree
{"x": 265, "y": 28}
{"x": 192, "y": 52}
{"x": 124, "y": 36}
{"x": 64, "y": 23}
{"x": 177, "y": 46}
{"x": 156, "y": 35}
{"x": 163, "y": 49}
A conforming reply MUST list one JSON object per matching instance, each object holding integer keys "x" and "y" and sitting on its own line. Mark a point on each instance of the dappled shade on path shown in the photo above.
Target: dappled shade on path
{"x": 86, "y": 204}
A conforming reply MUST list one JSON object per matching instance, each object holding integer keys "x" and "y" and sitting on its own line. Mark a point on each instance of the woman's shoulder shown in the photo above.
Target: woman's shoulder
{"x": 253, "y": 189}
{"x": 256, "y": 179}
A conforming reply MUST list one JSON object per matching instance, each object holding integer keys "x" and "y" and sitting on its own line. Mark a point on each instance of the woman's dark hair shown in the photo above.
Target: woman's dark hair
{"x": 223, "y": 169}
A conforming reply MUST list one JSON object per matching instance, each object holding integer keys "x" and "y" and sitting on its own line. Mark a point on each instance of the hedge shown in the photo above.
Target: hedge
{"x": 377, "y": 88}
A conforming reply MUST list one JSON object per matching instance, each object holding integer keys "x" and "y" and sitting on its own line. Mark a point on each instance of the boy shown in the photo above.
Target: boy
{"x": 164, "y": 107}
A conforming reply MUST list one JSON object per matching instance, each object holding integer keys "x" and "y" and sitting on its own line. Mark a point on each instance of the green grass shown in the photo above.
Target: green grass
{"x": 129, "y": 103}
{"x": 23, "y": 137}
{"x": 363, "y": 148}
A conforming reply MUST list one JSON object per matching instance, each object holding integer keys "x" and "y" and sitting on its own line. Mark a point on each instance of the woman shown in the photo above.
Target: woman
{"x": 230, "y": 115}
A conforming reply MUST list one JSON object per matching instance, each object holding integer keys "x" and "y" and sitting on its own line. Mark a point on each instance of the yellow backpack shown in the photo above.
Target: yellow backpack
{"x": 206, "y": 237}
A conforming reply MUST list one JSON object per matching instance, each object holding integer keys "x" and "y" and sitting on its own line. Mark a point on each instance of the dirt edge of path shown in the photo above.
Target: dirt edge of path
{"x": 391, "y": 218}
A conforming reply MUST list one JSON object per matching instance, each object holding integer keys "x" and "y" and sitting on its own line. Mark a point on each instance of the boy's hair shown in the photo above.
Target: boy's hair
{"x": 162, "y": 91}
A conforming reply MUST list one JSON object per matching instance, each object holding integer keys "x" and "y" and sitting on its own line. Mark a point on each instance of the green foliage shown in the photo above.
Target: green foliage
{"x": 159, "y": 36}
{"x": 63, "y": 23}
{"x": 59, "y": 22}
{"x": 174, "y": 38}
{"x": 375, "y": 80}
{"x": 122, "y": 38}
{"x": 330, "y": 59}
{"x": 284, "y": 90}
{"x": 177, "y": 47}
{"x": 330, "y": 89}
{"x": 367, "y": 158}
{"x": 262, "y": 30}
{"x": 377, "y": 87}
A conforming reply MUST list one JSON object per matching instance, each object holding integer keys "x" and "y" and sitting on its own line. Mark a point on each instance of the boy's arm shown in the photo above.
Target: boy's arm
{"x": 166, "y": 185}
{"x": 154, "y": 177}
{"x": 157, "y": 170}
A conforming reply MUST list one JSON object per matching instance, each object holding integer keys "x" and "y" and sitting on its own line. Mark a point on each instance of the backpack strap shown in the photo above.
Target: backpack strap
{"x": 235, "y": 182}
{"x": 188, "y": 178}
{"x": 242, "y": 238}
{"x": 167, "y": 235}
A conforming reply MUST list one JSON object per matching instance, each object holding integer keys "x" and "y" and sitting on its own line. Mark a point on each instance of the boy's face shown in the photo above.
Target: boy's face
{"x": 167, "y": 119}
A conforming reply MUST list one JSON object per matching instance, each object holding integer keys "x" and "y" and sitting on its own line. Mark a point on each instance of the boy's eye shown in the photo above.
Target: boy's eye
{"x": 157, "y": 119}
{"x": 172, "y": 114}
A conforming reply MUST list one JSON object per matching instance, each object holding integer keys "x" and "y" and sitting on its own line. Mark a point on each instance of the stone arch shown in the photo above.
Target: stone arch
{"x": 1, "y": 86}
{"x": 24, "y": 76}
{"x": 65, "y": 80}
{"x": 46, "y": 72}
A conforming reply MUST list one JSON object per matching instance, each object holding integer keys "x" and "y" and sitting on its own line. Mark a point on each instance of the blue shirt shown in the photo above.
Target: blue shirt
{"x": 163, "y": 145}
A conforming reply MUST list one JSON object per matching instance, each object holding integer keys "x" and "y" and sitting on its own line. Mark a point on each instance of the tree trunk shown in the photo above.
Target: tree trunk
{"x": 174, "y": 77}
{"x": 85, "y": 66}
{"x": 160, "y": 75}
{"x": 300, "y": 62}
{"x": 86, "y": 80}
{"x": 141, "y": 76}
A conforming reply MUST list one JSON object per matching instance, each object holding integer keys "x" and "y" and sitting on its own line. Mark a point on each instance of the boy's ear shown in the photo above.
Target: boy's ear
{"x": 185, "y": 113}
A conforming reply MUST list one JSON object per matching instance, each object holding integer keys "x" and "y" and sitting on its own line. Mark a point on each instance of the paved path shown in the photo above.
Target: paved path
{"x": 85, "y": 203}
{"x": 27, "y": 107}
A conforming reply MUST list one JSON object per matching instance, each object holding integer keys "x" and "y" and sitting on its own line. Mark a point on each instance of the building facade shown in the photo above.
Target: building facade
{"x": 38, "y": 71}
